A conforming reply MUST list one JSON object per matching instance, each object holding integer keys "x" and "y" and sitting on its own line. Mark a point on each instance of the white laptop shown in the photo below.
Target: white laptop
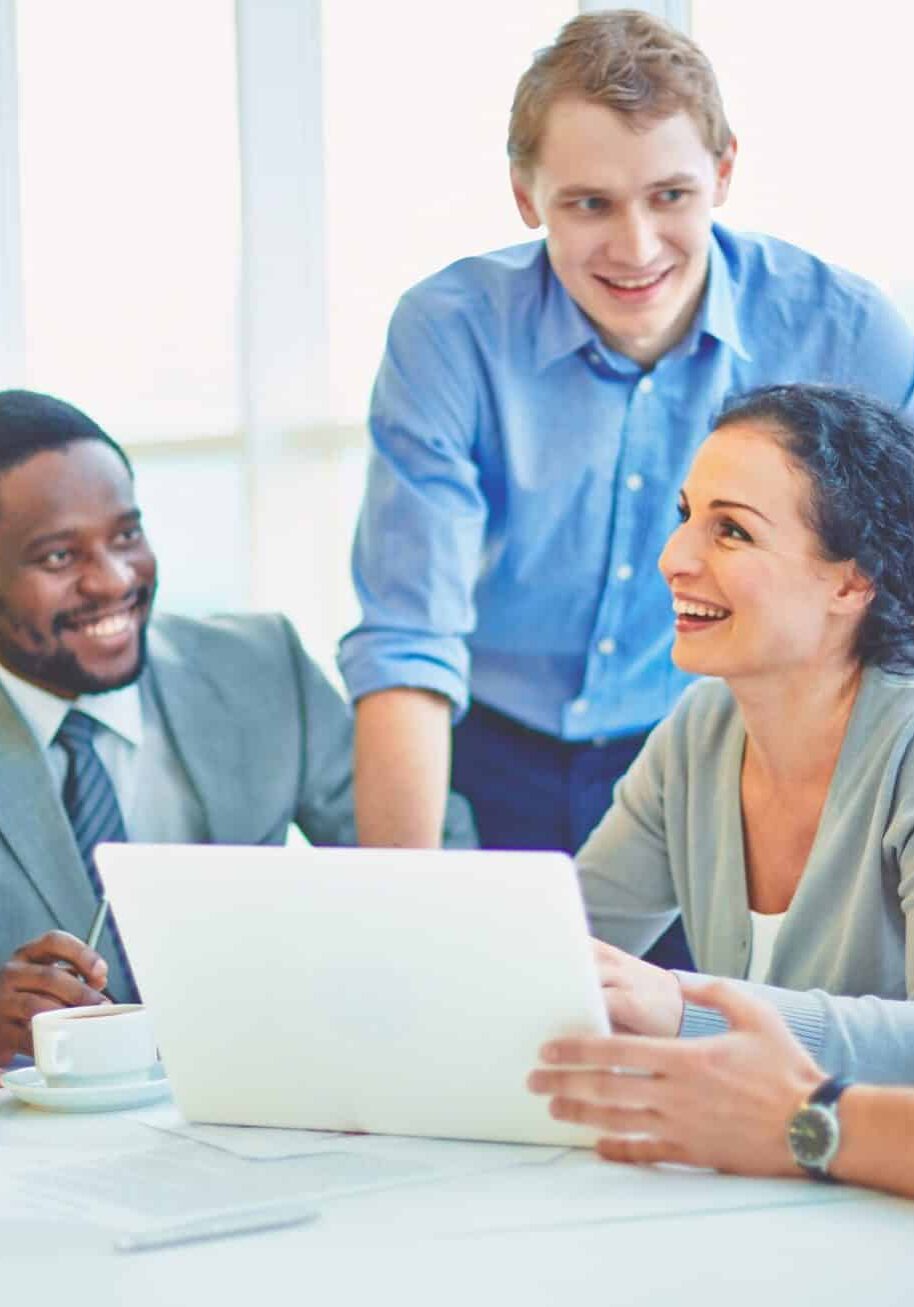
{"x": 381, "y": 990}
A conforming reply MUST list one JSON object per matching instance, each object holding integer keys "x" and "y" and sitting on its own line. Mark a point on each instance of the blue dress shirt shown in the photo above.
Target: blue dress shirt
{"x": 524, "y": 477}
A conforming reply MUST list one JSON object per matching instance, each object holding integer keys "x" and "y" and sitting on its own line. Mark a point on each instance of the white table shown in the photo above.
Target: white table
{"x": 410, "y": 1245}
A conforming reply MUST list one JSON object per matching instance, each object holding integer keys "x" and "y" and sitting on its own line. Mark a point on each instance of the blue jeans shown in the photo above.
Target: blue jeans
{"x": 530, "y": 790}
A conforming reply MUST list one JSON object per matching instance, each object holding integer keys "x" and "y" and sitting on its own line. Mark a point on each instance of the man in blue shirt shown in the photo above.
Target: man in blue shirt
{"x": 532, "y": 420}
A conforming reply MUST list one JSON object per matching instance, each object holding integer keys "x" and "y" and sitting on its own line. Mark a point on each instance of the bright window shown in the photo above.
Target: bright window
{"x": 818, "y": 94}
{"x": 416, "y": 100}
{"x": 130, "y": 210}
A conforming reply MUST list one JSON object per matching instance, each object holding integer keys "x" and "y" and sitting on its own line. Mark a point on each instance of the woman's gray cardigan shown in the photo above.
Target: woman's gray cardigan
{"x": 842, "y": 970}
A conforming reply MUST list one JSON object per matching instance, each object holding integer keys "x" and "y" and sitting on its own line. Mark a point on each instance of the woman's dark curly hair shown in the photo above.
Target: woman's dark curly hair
{"x": 859, "y": 458}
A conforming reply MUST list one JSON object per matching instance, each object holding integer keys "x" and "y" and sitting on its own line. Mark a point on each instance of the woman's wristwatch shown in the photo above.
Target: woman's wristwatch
{"x": 814, "y": 1132}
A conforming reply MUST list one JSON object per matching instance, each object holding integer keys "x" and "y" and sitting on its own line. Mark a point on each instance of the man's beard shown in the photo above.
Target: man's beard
{"x": 63, "y": 672}
{"x": 60, "y": 670}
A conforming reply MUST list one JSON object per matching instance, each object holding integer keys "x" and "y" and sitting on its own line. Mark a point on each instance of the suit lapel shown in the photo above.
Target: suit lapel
{"x": 205, "y": 735}
{"x": 36, "y": 827}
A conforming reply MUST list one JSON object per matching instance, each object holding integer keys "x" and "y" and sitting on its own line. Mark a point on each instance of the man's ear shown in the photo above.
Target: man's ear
{"x": 523, "y": 198}
{"x": 854, "y": 592}
{"x": 724, "y": 172}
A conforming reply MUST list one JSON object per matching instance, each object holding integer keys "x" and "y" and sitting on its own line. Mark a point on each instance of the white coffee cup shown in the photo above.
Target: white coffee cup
{"x": 103, "y": 1044}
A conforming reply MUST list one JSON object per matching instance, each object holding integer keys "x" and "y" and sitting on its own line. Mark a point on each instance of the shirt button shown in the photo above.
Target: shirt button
{"x": 625, "y": 572}
{"x": 579, "y": 706}
{"x": 607, "y": 646}
{"x": 646, "y": 385}
{"x": 593, "y": 356}
{"x": 635, "y": 481}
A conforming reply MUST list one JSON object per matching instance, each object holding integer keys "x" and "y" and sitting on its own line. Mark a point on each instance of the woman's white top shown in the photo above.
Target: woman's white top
{"x": 765, "y": 927}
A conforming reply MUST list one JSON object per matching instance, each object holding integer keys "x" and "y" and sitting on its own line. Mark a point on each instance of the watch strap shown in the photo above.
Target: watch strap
{"x": 829, "y": 1091}
{"x": 826, "y": 1095}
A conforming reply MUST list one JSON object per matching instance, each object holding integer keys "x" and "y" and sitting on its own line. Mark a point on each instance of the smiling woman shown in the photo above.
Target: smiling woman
{"x": 779, "y": 799}
{"x": 746, "y": 570}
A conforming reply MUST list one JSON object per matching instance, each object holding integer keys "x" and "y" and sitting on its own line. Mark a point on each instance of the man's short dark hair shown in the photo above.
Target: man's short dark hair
{"x": 858, "y": 456}
{"x": 31, "y": 423}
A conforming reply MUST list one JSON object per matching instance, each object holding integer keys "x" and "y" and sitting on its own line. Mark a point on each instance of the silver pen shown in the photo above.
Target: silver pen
{"x": 98, "y": 922}
{"x": 95, "y": 929}
{"x": 272, "y": 1215}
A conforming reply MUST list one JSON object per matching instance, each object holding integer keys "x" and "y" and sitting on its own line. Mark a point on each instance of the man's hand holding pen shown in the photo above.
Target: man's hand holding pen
{"x": 56, "y": 970}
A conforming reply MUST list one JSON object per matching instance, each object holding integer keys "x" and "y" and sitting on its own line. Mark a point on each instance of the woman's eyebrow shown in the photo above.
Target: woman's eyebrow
{"x": 735, "y": 503}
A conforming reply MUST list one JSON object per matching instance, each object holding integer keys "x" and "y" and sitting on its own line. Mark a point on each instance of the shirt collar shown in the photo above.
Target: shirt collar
{"x": 716, "y": 314}
{"x": 119, "y": 710}
{"x": 564, "y": 328}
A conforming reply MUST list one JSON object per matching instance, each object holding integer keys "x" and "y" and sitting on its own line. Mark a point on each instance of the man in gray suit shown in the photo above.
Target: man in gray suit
{"x": 220, "y": 732}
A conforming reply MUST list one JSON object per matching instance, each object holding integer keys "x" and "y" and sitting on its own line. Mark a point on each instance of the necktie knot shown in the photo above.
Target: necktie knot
{"x": 76, "y": 731}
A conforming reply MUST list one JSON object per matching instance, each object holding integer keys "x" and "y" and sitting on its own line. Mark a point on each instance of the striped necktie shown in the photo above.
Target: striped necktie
{"x": 93, "y": 809}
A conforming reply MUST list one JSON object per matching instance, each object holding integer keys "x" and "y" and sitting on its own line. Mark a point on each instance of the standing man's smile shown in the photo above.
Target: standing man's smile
{"x": 628, "y": 219}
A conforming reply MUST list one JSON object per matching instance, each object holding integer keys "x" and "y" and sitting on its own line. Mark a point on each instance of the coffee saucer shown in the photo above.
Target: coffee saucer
{"x": 29, "y": 1086}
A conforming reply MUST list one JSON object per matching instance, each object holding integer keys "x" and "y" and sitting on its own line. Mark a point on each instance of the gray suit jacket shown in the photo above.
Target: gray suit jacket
{"x": 263, "y": 736}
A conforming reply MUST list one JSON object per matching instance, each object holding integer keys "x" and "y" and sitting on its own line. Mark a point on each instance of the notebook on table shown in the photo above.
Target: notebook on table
{"x": 382, "y": 990}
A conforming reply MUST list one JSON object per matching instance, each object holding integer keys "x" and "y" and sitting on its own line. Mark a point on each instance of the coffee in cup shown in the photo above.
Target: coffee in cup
{"x": 103, "y": 1044}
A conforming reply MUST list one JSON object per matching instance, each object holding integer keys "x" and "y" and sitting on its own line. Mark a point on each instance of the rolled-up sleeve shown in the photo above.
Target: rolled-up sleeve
{"x": 420, "y": 534}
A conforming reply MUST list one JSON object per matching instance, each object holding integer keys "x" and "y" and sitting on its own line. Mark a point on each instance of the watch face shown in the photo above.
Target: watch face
{"x": 813, "y": 1136}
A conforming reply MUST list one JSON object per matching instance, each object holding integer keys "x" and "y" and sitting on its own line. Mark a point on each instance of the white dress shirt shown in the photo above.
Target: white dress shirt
{"x": 157, "y": 800}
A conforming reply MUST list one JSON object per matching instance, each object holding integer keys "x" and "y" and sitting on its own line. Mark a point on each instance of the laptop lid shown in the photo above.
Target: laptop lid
{"x": 385, "y": 990}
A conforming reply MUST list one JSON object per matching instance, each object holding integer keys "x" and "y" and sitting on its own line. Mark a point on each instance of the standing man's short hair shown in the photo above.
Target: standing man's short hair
{"x": 624, "y": 60}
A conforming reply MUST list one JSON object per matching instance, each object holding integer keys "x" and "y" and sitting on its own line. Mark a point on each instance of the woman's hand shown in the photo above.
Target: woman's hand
{"x": 721, "y": 1101}
{"x": 641, "y": 999}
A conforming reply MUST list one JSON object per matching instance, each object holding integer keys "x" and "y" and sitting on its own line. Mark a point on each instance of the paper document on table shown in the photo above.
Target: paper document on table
{"x": 170, "y": 1178}
{"x": 173, "y": 1179}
